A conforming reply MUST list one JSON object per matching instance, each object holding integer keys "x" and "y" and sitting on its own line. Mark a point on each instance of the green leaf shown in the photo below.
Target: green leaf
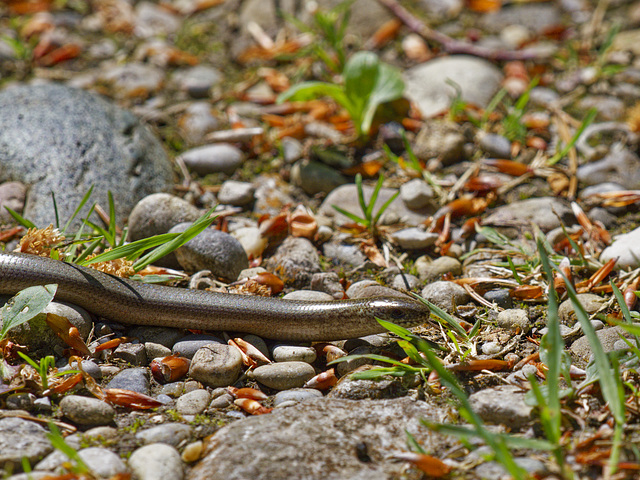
{"x": 311, "y": 90}
{"x": 444, "y": 316}
{"x": 352, "y": 216}
{"x": 130, "y": 250}
{"x": 58, "y": 442}
{"x": 389, "y": 86}
{"x": 84, "y": 200}
{"x": 20, "y": 219}
{"x": 25, "y": 305}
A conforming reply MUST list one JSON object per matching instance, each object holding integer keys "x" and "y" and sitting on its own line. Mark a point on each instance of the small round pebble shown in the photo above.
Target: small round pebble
{"x": 135, "y": 379}
{"x": 491, "y": 348}
{"x": 221, "y": 401}
{"x": 400, "y": 284}
{"x": 87, "y": 411}
{"x": 308, "y": 296}
{"x": 220, "y": 157}
{"x": 283, "y": 376}
{"x": 193, "y": 403}
{"x": 216, "y": 365}
{"x": 156, "y": 461}
{"x": 156, "y": 214}
{"x": 294, "y": 353}
{"x": 434, "y": 270}
{"x": 189, "y": 345}
{"x": 445, "y": 294}
{"x": 416, "y": 194}
{"x": 514, "y": 319}
{"x": 236, "y": 193}
{"x": 169, "y": 433}
{"x": 155, "y": 350}
{"x": 193, "y": 451}
{"x": 295, "y": 395}
{"x": 132, "y": 353}
{"x": 414, "y": 238}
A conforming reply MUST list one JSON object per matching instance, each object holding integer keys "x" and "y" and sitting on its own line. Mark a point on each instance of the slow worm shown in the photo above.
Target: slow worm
{"x": 137, "y": 303}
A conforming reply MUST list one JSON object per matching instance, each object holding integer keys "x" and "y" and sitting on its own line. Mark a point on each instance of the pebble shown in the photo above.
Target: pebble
{"x": 174, "y": 389}
{"x": 535, "y": 17}
{"x": 608, "y": 337}
{"x": 620, "y": 166}
{"x": 197, "y": 81}
{"x": 361, "y": 289}
{"x": 134, "y": 379}
{"x": 222, "y": 401}
{"x": 494, "y": 145}
{"x": 212, "y": 250}
{"x": 328, "y": 282}
{"x": 158, "y": 213}
{"x": 503, "y": 404}
{"x": 435, "y": 269}
{"x": 216, "y": 365}
{"x": 156, "y": 461}
{"x": 352, "y": 389}
{"x": 196, "y": 122}
{"x": 236, "y": 193}
{"x": 346, "y": 197}
{"x": 295, "y": 261}
{"x": 414, "y": 238}
{"x": 491, "y": 348}
{"x": 189, "y": 345}
{"x": 21, "y": 438}
{"x": 291, "y": 149}
{"x": 102, "y": 463}
{"x": 215, "y": 158}
{"x": 283, "y": 376}
{"x": 20, "y": 401}
{"x": 294, "y": 353}
{"x": 591, "y": 303}
{"x": 169, "y": 433}
{"x": 155, "y": 350}
{"x": 444, "y": 294}
{"x": 315, "y": 177}
{"x": 514, "y": 319}
{"x": 543, "y": 211}
{"x": 257, "y": 342}
{"x": 416, "y": 194}
{"x": 193, "y": 403}
{"x": 193, "y": 451}
{"x": 625, "y": 247}
{"x": 12, "y": 195}
{"x": 89, "y": 366}
{"x": 609, "y": 108}
{"x": 251, "y": 240}
{"x": 348, "y": 366}
{"x": 426, "y": 84}
{"x": 400, "y": 284}
{"x": 495, "y": 471}
{"x": 103, "y": 434}
{"x": 271, "y": 196}
{"x": 133, "y": 80}
{"x": 87, "y": 411}
{"x": 43, "y": 405}
{"x": 294, "y": 396}
{"x": 499, "y": 296}
{"x": 442, "y": 140}
{"x": 153, "y": 20}
{"x": 308, "y": 296}
{"x": 132, "y": 353}
{"x": 342, "y": 254}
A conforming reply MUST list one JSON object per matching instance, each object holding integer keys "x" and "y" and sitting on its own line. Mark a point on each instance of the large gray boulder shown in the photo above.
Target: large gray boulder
{"x": 63, "y": 140}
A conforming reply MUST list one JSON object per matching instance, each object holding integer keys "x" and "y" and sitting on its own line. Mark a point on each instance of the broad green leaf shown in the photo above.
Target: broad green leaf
{"x": 389, "y": 86}
{"x": 311, "y": 90}
{"x": 25, "y": 305}
{"x": 360, "y": 78}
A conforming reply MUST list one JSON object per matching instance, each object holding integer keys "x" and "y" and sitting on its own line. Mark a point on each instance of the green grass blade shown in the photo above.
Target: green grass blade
{"x": 384, "y": 206}
{"x": 84, "y": 200}
{"x": 20, "y": 219}
{"x": 352, "y": 216}
{"x": 368, "y": 212}
{"x": 130, "y": 250}
{"x": 591, "y": 115}
{"x": 55, "y": 209}
{"x": 444, "y": 316}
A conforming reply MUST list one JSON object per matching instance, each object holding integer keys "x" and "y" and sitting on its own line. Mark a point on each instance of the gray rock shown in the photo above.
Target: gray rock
{"x": 282, "y": 376}
{"x": 197, "y": 81}
{"x": 189, "y": 345}
{"x": 102, "y": 463}
{"x": 104, "y": 434}
{"x": 399, "y": 282}
{"x": 153, "y": 20}
{"x": 156, "y": 461}
{"x": 133, "y": 80}
{"x": 216, "y": 158}
{"x": 626, "y": 248}
{"x": 295, "y": 395}
{"x": 21, "y": 401}
{"x": 223, "y": 400}
{"x": 89, "y": 366}
{"x": 170, "y": 433}
{"x": 271, "y": 195}
{"x": 444, "y": 294}
{"x": 543, "y": 96}
{"x": 158, "y": 213}
{"x": 317, "y": 440}
{"x": 441, "y": 10}
{"x": 495, "y": 471}
{"x": 609, "y": 108}
{"x": 216, "y": 365}
{"x": 291, "y": 149}
{"x": 155, "y": 350}
{"x": 493, "y": 144}
{"x": 196, "y": 122}
{"x": 416, "y": 194}
{"x": 426, "y": 84}
{"x": 309, "y": 296}
{"x": 620, "y": 165}
{"x": 294, "y": 353}
{"x": 212, "y": 250}
{"x": 193, "y": 403}
{"x": 134, "y": 379}
{"x": 295, "y": 261}
{"x": 132, "y": 353}
{"x": 607, "y": 336}
{"x": 514, "y": 319}
{"x": 414, "y": 238}
{"x": 87, "y": 411}
{"x": 539, "y": 211}
{"x": 352, "y": 389}
{"x": 40, "y": 338}
{"x": 12, "y": 195}
{"x": 346, "y": 197}
{"x": 236, "y": 193}
{"x": 591, "y": 303}
{"x": 536, "y": 17}
{"x": 362, "y": 288}
{"x": 500, "y": 297}
{"x": 328, "y": 282}
{"x": 342, "y": 254}
{"x": 442, "y": 140}
{"x": 21, "y": 438}
{"x": 315, "y": 177}
{"x": 503, "y": 404}
{"x": 434, "y": 270}
{"x": 348, "y": 366}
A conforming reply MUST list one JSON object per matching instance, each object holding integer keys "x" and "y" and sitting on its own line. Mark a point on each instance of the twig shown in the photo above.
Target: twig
{"x": 451, "y": 45}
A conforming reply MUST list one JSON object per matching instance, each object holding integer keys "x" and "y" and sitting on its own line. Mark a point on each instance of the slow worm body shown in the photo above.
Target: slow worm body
{"x": 137, "y": 303}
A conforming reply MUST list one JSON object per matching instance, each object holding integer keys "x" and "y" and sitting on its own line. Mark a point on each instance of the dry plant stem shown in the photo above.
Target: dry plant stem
{"x": 451, "y": 45}
{"x": 561, "y": 121}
